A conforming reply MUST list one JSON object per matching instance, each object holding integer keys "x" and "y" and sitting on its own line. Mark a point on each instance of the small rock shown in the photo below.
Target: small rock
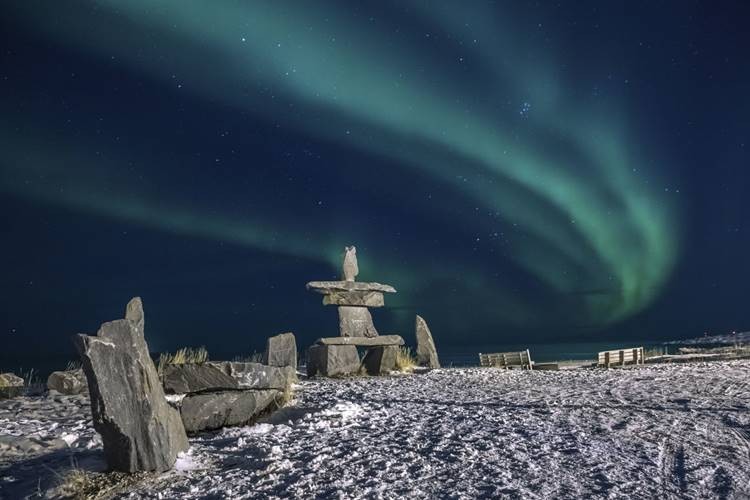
{"x": 70, "y": 382}
{"x": 281, "y": 350}
{"x": 11, "y": 385}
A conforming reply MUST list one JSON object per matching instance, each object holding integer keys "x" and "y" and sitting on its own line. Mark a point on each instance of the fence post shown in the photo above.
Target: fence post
{"x": 606, "y": 359}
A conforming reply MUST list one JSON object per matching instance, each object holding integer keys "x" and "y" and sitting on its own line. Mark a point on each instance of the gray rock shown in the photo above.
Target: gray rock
{"x": 326, "y": 287}
{"x": 426, "y": 351}
{"x": 213, "y": 410}
{"x": 257, "y": 375}
{"x": 362, "y": 341}
{"x": 11, "y": 385}
{"x": 139, "y": 430}
{"x": 332, "y": 360}
{"x": 69, "y": 382}
{"x": 350, "y": 267}
{"x": 356, "y": 322}
{"x": 380, "y": 360}
{"x": 357, "y": 298}
{"x": 191, "y": 377}
{"x": 281, "y": 350}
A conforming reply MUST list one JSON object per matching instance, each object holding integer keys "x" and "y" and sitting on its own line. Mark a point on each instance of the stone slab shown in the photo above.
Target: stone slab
{"x": 426, "y": 351}
{"x": 326, "y": 287}
{"x": 332, "y": 360}
{"x": 140, "y": 430}
{"x": 356, "y": 322}
{"x": 356, "y": 298}
{"x": 380, "y": 340}
{"x": 258, "y": 375}
{"x": 191, "y": 377}
{"x": 214, "y": 410}
{"x": 281, "y": 350}
{"x": 380, "y": 360}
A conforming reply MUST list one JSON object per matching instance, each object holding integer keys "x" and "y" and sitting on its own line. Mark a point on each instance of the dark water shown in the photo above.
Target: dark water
{"x": 449, "y": 355}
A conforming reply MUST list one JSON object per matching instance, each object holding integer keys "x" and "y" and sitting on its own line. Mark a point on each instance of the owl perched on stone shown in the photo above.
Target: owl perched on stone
{"x": 351, "y": 270}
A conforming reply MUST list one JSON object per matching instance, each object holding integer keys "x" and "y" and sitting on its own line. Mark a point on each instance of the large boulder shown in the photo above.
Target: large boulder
{"x": 191, "y": 377}
{"x": 213, "y": 410}
{"x": 258, "y": 375}
{"x": 281, "y": 350}
{"x": 332, "y": 360}
{"x": 380, "y": 360}
{"x": 426, "y": 351}
{"x": 11, "y": 385}
{"x": 356, "y": 322}
{"x": 140, "y": 430}
{"x": 69, "y": 382}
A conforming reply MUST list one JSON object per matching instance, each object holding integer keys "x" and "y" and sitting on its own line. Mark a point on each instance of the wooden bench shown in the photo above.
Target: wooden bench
{"x": 520, "y": 359}
{"x": 621, "y": 357}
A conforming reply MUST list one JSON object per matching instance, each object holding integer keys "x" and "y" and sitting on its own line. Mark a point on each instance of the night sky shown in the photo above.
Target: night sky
{"x": 519, "y": 171}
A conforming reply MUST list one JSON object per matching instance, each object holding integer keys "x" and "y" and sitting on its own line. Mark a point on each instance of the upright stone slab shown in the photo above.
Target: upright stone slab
{"x": 426, "y": 351}
{"x": 281, "y": 350}
{"x": 380, "y": 360}
{"x": 356, "y": 322}
{"x": 332, "y": 360}
{"x": 140, "y": 430}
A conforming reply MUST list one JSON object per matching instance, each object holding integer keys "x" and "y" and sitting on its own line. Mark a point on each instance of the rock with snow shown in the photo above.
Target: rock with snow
{"x": 356, "y": 298}
{"x": 426, "y": 351}
{"x": 281, "y": 350}
{"x": 192, "y": 377}
{"x": 356, "y": 322}
{"x": 380, "y": 360}
{"x": 69, "y": 382}
{"x": 258, "y": 375}
{"x": 332, "y": 360}
{"x": 139, "y": 430}
{"x": 11, "y": 385}
{"x": 214, "y": 410}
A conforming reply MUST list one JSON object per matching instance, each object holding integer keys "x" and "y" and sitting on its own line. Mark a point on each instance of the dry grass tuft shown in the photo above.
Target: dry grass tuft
{"x": 255, "y": 357}
{"x": 186, "y": 355}
{"x": 405, "y": 359}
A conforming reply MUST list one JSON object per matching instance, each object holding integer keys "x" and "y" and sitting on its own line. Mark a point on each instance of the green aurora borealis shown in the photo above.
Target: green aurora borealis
{"x": 490, "y": 118}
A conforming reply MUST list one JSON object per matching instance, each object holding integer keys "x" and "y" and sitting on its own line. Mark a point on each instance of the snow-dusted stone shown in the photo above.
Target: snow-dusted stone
{"x": 11, "y": 385}
{"x": 191, "y": 377}
{"x": 362, "y": 341}
{"x": 356, "y": 322}
{"x": 281, "y": 350}
{"x": 326, "y": 287}
{"x": 426, "y": 351}
{"x": 380, "y": 360}
{"x": 139, "y": 430}
{"x": 359, "y": 298}
{"x": 214, "y": 410}
{"x": 332, "y": 360}
{"x": 69, "y": 382}
{"x": 258, "y": 375}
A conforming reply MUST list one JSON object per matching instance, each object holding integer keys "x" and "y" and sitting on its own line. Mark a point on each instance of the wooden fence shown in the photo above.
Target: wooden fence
{"x": 521, "y": 359}
{"x": 621, "y": 357}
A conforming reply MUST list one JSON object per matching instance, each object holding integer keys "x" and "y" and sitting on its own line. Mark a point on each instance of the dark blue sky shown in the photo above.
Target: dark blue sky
{"x": 536, "y": 171}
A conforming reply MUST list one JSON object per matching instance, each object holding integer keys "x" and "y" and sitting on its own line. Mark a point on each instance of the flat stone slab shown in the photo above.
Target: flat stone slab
{"x": 214, "y": 410}
{"x": 326, "y": 287}
{"x": 380, "y": 340}
{"x": 356, "y": 298}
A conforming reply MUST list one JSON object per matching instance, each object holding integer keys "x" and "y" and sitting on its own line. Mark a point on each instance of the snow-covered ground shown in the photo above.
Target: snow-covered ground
{"x": 659, "y": 431}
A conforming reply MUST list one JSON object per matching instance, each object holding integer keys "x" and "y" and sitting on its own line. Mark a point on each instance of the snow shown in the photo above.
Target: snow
{"x": 653, "y": 431}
